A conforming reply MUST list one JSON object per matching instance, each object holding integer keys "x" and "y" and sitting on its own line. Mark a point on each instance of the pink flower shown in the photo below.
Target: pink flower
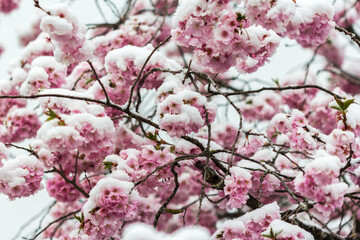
{"x": 61, "y": 190}
{"x": 7, "y": 6}
{"x": 67, "y": 34}
{"x": 236, "y": 187}
{"x": 21, "y": 177}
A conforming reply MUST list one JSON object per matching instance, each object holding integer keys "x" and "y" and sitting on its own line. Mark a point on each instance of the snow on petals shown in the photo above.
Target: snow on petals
{"x": 287, "y": 231}
{"x": 109, "y": 204}
{"x": 237, "y": 186}
{"x": 249, "y": 226}
{"x": 306, "y": 21}
{"x": 183, "y": 111}
{"x": 67, "y": 35}
{"x": 21, "y": 177}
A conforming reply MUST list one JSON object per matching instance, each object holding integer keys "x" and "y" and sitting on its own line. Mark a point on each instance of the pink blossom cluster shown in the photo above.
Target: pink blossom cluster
{"x": 237, "y": 186}
{"x": 8, "y": 88}
{"x": 295, "y": 131}
{"x": 147, "y": 209}
{"x": 287, "y": 165}
{"x": 86, "y": 133}
{"x": 21, "y": 177}
{"x": 44, "y": 73}
{"x": 339, "y": 144}
{"x": 298, "y": 99}
{"x": 305, "y": 21}
{"x": 137, "y": 30}
{"x": 262, "y": 185}
{"x": 140, "y": 163}
{"x": 222, "y": 134}
{"x": 320, "y": 114}
{"x": 172, "y": 157}
{"x": 261, "y": 107}
{"x": 7, "y": 6}
{"x": 62, "y": 191}
{"x": 82, "y": 77}
{"x": 67, "y": 106}
{"x": 250, "y": 145}
{"x": 19, "y": 124}
{"x": 124, "y": 66}
{"x": 97, "y": 132}
{"x": 320, "y": 183}
{"x": 111, "y": 202}
{"x": 250, "y": 225}
{"x": 67, "y": 35}
{"x": 125, "y": 138}
{"x": 181, "y": 111}
{"x": 222, "y": 41}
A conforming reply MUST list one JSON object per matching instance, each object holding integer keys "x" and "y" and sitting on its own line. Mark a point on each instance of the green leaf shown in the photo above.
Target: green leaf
{"x": 174, "y": 211}
{"x": 336, "y": 108}
{"x": 340, "y": 103}
{"x": 108, "y": 165}
{"x": 266, "y": 235}
{"x": 79, "y": 218}
{"x": 89, "y": 81}
{"x": 347, "y": 103}
{"x": 276, "y": 81}
{"x": 272, "y": 235}
{"x": 52, "y": 115}
{"x": 152, "y": 136}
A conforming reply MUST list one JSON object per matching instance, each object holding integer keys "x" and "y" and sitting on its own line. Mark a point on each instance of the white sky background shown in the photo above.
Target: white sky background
{"x": 13, "y": 214}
